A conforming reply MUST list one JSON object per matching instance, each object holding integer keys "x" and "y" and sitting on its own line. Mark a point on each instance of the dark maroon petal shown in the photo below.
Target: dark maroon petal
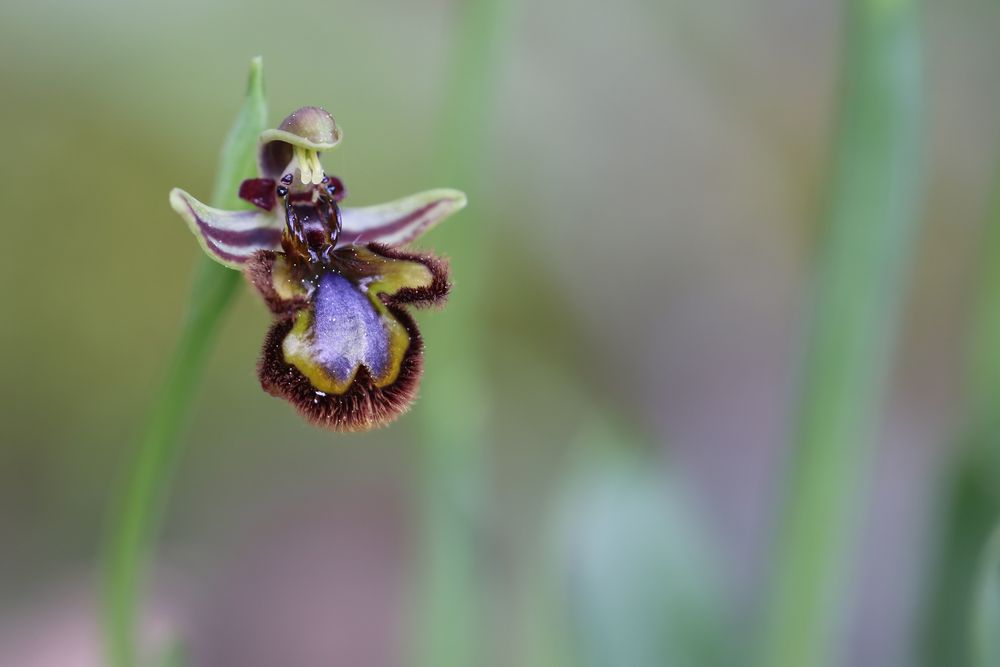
{"x": 363, "y": 406}
{"x": 336, "y": 188}
{"x": 259, "y": 192}
{"x": 273, "y": 157}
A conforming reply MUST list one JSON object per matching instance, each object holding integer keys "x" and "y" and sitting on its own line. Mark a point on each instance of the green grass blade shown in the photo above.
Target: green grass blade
{"x": 972, "y": 488}
{"x": 453, "y": 404}
{"x": 641, "y": 580}
{"x": 986, "y": 612}
{"x": 872, "y": 215}
{"x": 238, "y": 160}
{"x": 136, "y": 514}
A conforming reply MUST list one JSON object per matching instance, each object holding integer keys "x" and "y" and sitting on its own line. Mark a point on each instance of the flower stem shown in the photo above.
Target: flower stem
{"x": 872, "y": 216}
{"x": 136, "y": 515}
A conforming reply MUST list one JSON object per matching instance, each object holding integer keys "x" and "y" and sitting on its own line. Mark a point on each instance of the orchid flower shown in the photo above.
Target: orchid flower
{"x": 343, "y": 349}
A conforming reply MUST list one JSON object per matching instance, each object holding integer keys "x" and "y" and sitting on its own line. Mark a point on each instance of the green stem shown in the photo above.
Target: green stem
{"x": 136, "y": 516}
{"x": 453, "y": 402}
{"x": 984, "y": 631}
{"x": 972, "y": 486}
{"x": 870, "y": 222}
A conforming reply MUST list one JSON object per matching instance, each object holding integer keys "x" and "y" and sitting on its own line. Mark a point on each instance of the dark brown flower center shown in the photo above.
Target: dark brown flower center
{"x": 312, "y": 224}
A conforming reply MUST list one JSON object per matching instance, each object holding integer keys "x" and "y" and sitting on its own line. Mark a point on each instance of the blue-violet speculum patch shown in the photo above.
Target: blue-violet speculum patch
{"x": 343, "y": 349}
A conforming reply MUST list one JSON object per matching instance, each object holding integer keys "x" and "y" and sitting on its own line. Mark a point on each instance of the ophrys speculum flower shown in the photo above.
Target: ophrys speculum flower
{"x": 343, "y": 349}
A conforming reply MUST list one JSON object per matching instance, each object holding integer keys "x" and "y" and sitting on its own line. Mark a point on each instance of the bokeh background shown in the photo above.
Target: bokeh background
{"x": 619, "y": 370}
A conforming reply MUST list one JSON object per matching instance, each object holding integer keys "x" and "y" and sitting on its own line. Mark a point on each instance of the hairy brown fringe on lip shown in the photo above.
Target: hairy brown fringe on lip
{"x": 364, "y": 405}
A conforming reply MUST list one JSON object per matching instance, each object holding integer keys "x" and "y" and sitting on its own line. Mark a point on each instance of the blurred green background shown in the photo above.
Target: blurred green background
{"x": 645, "y": 179}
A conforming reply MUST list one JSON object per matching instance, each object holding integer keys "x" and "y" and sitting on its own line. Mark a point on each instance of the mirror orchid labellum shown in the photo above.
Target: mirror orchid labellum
{"x": 343, "y": 349}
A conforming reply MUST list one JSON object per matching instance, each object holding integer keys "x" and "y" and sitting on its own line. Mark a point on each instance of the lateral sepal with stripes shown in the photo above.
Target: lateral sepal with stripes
{"x": 229, "y": 237}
